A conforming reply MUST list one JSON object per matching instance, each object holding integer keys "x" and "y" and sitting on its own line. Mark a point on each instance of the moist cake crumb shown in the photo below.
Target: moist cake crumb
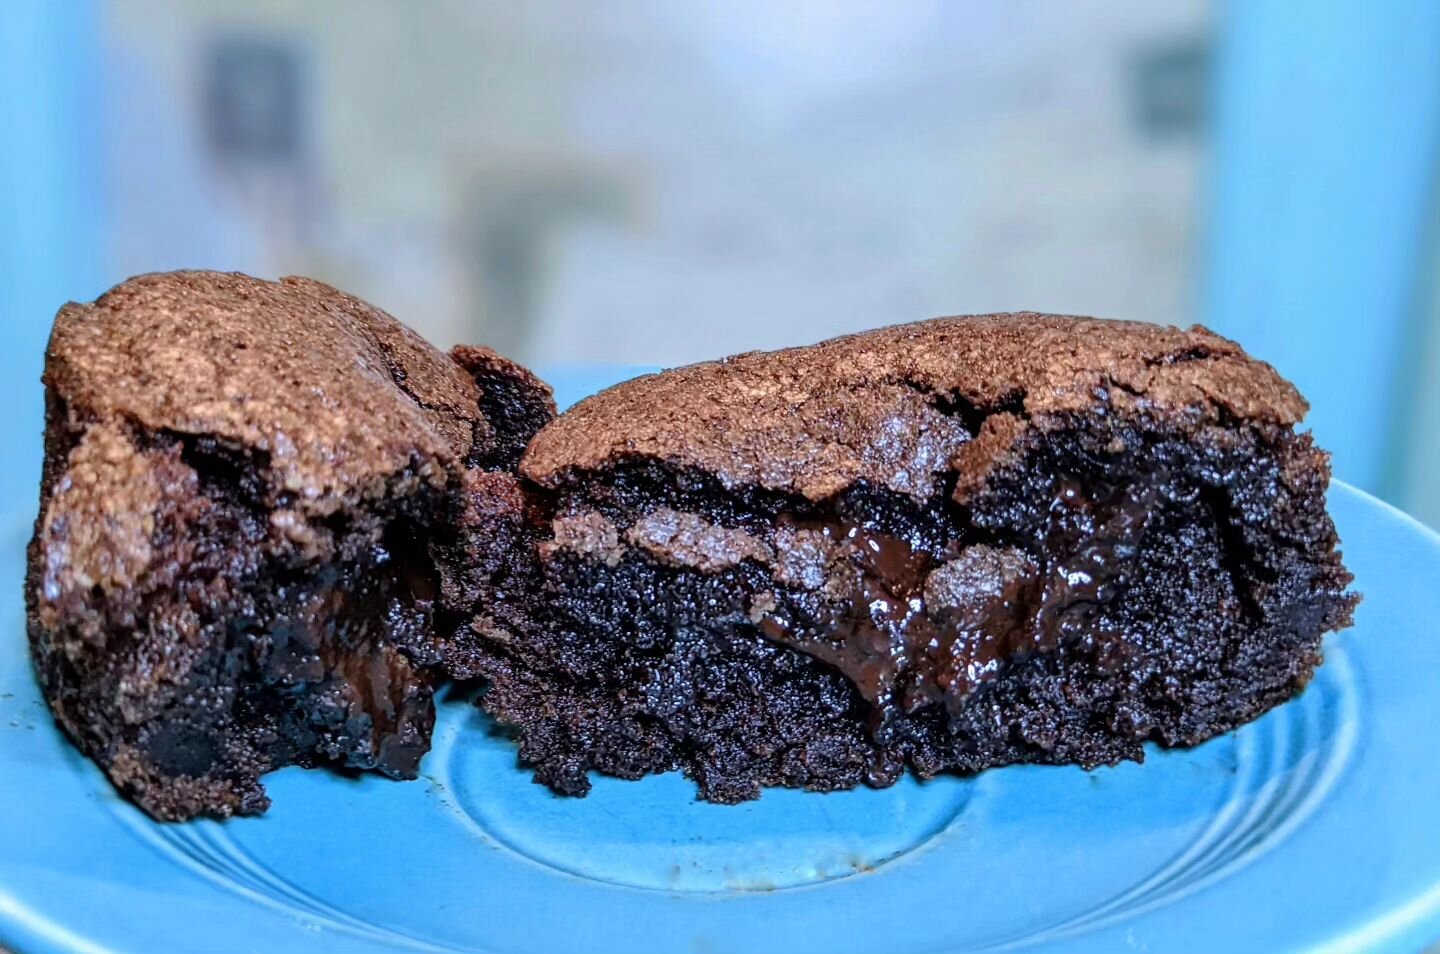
{"x": 251, "y": 499}
{"x": 945, "y": 546}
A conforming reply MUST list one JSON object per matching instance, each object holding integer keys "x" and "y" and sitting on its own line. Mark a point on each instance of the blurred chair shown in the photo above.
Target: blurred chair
{"x": 1322, "y": 218}
{"x": 50, "y": 206}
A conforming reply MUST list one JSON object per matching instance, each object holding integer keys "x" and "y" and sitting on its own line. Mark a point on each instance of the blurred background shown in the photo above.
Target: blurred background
{"x": 655, "y": 182}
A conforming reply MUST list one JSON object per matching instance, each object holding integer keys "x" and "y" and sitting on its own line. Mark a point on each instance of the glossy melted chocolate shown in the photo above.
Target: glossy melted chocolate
{"x": 912, "y": 628}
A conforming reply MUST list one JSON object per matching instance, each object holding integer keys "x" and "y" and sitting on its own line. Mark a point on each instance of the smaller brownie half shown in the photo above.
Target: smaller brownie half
{"x": 251, "y": 495}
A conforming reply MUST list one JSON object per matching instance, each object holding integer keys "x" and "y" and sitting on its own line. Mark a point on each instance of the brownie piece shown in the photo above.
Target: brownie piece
{"x": 948, "y": 545}
{"x": 250, "y": 493}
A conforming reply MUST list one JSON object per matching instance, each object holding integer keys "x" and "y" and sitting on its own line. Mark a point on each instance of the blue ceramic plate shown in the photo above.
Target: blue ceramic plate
{"x": 1316, "y": 827}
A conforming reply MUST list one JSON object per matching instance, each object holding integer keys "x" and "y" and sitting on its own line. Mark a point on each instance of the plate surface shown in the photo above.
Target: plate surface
{"x": 1316, "y": 826}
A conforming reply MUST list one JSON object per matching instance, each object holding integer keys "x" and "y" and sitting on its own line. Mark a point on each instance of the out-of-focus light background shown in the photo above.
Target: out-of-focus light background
{"x": 656, "y": 182}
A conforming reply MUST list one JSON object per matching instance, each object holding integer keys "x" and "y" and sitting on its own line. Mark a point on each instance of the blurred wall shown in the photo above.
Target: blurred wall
{"x": 663, "y": 182}
{"x": 659, "y": 183}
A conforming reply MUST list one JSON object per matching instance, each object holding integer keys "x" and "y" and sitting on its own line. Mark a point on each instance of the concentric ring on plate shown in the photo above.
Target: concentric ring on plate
{"x": 1285, "y": 765}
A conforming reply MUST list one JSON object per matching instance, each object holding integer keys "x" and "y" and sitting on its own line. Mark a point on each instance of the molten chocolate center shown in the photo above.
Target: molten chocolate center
{"x": 911, "y": 628}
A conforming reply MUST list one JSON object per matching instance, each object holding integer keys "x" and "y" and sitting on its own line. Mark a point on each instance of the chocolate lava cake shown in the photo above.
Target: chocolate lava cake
{"x": 253, "y": 497}
{"x": 948, "y": 545}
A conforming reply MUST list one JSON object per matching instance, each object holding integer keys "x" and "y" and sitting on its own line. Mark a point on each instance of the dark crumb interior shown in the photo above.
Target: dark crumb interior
{"x": 1115, "y": 584}
{"x": 315, "y": 653}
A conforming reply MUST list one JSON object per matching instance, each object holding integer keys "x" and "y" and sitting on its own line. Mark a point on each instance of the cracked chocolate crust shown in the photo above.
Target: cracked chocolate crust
{"x": 250, "y": 491}
{"x": 949, "y": 545}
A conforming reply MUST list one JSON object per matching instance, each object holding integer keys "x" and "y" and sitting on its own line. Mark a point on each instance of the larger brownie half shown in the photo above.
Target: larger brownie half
{"x": 948, "y": 545}
{"x": 253, "y": 499}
